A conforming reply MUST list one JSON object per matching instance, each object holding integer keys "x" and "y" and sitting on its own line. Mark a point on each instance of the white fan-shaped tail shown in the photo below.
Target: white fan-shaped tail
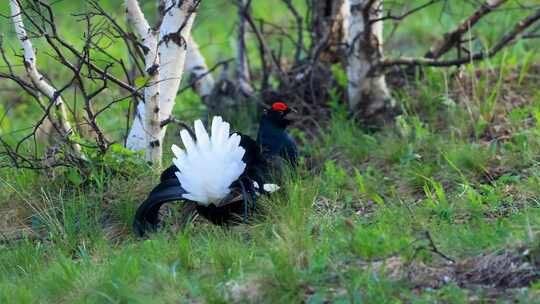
{"x": 210, "y": 164}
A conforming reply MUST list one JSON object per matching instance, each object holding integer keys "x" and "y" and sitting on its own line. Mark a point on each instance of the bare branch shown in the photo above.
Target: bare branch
{"x": 299, "y": 30}
{"x": 30, "y": 63}
{"x": 505, "y": 40}
{"x": 390, "y": 16}
{"x": 453, "y": 38}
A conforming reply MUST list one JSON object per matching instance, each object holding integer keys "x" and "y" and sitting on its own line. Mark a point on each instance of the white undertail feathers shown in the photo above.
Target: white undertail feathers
{"x": 210, "y": 164}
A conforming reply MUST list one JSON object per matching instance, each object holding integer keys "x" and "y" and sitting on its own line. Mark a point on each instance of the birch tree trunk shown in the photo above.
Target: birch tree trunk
{"x": 144, "y": 124}
{"x": 202, "y": 81}
{"x": 175, "y": 31}
{"x": 30, "y": 64}
{"x": 201, "y": 77}
{"x": 164, "y": 59}
{"x": 368, "y": 94}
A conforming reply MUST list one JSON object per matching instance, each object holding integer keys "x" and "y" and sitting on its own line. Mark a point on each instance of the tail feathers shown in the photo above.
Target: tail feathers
{"x": 209, "y": 164}
{"x": 147, "y": 216}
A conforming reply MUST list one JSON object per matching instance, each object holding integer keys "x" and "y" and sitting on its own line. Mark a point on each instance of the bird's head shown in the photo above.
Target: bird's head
{"x": 277, "y": 114}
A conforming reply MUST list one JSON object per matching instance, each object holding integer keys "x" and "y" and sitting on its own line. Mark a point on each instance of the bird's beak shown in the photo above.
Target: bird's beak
{"x": 292, "y": 114}
{"x": 291, "y": 111}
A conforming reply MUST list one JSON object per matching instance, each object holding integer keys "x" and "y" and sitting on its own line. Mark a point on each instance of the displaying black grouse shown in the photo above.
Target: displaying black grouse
{"x": 221, "y": 174}
{"x": 273, "y": 138}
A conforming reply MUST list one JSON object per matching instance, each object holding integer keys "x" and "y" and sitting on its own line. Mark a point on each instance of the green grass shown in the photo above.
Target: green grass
{"x": 462, "y": 163}
{"x": 370, "y": 198}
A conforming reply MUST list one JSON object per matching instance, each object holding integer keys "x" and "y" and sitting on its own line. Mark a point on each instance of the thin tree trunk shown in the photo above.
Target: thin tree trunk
{"x": 242, "y": 71}
{"x": 136, "y": 139}
{"x": 30, "y": 64}
{"x": 203, "y": 84}
{"x": 149, "y": 130}
{"x": 368, "y": 93}
{"x": 175, "y": 31}
{"x": 165, "y": 59}
{"x": 201, "y": 78}
{"x": 328, "y": 26}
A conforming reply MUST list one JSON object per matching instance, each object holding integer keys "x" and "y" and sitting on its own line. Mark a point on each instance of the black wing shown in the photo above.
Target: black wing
{"x": 169, "y": 173}
{"x": 147, "y": 216}
{"x": 291, "y": 151}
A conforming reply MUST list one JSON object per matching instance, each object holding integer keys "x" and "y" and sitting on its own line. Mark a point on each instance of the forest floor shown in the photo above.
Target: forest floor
{"x": 443, "y": 205}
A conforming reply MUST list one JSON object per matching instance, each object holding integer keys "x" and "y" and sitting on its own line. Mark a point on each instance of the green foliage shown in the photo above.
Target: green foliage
{"x": 373, "y": 213}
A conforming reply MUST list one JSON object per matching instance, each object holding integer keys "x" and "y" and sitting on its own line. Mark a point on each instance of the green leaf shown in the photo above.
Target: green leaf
{"x": 360, "y": 181}
{"x": 340, "y": 75}
{"x": 74, "y": 177}
{"x": 141, "y": 81}
{"x": 377, "y": 199}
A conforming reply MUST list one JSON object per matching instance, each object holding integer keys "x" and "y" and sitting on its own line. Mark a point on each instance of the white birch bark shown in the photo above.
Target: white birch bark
{"x": 367, "y": 93}
{"x": 198, "y": 70}
{"x": 136, "y": 140}
{"x": 345, "y": 12}
{"x": 30, "y": 64}
{"x": 146, "y": 130}
{"x": 203, "y": 85}
{"x": 165, "y": 60}
{"x": 175, "y": 31}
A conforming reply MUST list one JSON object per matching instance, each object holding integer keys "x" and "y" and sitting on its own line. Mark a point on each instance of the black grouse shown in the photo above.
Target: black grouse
{"x": 221, "y": 174}
{"x": 272, "y": 137}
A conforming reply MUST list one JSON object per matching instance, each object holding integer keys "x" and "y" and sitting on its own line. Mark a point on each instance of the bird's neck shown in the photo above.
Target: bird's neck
{"x": 269, "y": 123}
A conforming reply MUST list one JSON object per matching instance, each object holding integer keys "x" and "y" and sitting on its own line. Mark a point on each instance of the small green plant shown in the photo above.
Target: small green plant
{"x": 437, "y": 199}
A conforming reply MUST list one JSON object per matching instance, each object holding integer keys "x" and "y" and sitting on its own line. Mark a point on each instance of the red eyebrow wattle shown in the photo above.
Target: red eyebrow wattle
{"x": 279, "y": 106}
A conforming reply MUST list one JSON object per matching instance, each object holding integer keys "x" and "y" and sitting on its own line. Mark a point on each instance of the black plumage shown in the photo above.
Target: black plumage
{"x": 272, "y": 141}
{"x": 273, "y": 138}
